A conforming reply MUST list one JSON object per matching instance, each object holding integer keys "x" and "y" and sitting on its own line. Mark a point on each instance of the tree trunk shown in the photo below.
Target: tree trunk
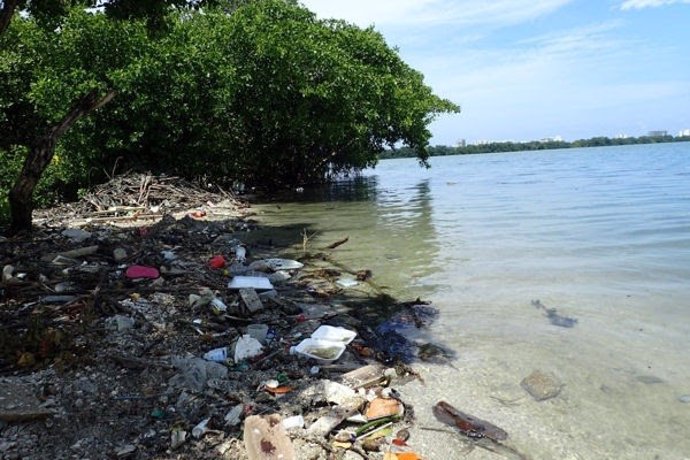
{"x": 8, "y": 7}
{"x": 40, "y": 156}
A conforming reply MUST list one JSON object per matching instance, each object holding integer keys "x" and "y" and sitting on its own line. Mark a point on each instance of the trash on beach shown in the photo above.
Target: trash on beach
{"x": 401, "y": 456}
{"x": 76, "y": 235}
{"x": 265, "y": 439}
{"x": 258, "y": 331}
{"x": 233, "y": 417}
{"x": 323, "y": 351}
{"x": 247, "y": 347}
{"x": 217, "y": 262}
{"x": 347, "y": 282}
{"x": 201, "y": 428}
{"x": 251, "y": 300}
{"x": 334, "y": 334}
{"x": 293, "y": 423}
{"x": 142, "y": 271}
{"x": 282, "y": 264}
{"x": 177, "y": 438}
{"x": 250, "y": 282}
{"x": 218, "y": 355}
{"x": 384, "y": 407}
{"x": 467, "y": 424}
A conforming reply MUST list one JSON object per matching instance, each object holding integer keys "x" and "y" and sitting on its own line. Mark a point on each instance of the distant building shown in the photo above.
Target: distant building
{"x": 657, "y": 133}
{"x": 684, "y": 133}
{"x": 462, "y": 143}
{"x": 621, "y": 136}
{"x": 491, "y": 141}
{"x": 552, "y": 139}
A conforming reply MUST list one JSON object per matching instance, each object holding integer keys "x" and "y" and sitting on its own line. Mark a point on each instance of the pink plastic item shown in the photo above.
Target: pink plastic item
{"x": 141, "y": 271}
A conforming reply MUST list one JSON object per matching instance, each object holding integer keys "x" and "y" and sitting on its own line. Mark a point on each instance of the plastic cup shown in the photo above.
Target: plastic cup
{"x": 258, "y": 332}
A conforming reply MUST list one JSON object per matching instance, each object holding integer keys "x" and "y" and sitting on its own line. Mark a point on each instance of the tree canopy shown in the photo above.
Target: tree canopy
{"x": 256, "y": 91}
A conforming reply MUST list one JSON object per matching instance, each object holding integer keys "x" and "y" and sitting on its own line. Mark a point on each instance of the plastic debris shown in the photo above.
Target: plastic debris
{"x": 265, "y": 439}
{"x": 142, "y": 271}
{"x": 384, "y": 407}
{"x": 233, "y": 417}
{"x": 323, "y": 351}
{"x": 76, "y": 235}
{"x": 218, "y": 355}
{"x": 282, "y": 264}
{"x": 247, "y": 347}
{"x": 258, "y": 331}
{"x": 293, "y": 423}
{"x": 334, "y": 334}
{"x": 201, "y": 428}
{"x": 177, "y": 438}
{"x": 119, "y": 254}
{"x": 347, "y": 282}
{"x": 217, "y": 262}
{"x": 250, "y": 282}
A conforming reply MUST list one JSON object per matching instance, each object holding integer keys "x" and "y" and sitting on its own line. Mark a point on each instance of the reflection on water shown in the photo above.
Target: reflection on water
{"x": 600, "y": 235}
{"x": 390, "y": 229}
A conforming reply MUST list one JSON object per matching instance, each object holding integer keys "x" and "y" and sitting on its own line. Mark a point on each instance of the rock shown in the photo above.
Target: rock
{"x": 126, "y": 451}
{"x": 18, "y": 402}
{"x": 685, "y": 399}
{"x": 542, "y": 386}
{"x": 649, "y": 379}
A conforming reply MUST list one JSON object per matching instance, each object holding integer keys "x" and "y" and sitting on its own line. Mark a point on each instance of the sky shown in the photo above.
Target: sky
{"x": 532, "y": 69}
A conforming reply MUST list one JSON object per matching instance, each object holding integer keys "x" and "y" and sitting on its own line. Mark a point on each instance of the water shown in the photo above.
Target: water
{"x": 602, "y": 235}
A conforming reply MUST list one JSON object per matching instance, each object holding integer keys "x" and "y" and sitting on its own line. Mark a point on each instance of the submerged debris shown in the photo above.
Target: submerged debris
{"x": 468, "y": 425}
{"x": 553, "y": 316}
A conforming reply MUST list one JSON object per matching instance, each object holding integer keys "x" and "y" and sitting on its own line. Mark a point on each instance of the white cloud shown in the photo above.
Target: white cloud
{"x": 418, "y": 12}
{"x": 640, "y": 4}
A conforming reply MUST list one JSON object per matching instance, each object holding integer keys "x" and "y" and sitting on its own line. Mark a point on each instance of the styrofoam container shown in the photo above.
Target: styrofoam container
{"x": 334, "y": 334}
{"x": 250, "y": 282}
{"x": 324, "y": 351}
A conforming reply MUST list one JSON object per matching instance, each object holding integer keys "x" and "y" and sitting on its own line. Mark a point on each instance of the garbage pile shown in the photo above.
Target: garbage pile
{"x": 180, "y": 339}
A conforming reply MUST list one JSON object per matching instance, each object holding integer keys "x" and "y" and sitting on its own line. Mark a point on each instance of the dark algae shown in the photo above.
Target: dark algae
{"x": 553, "y": 316}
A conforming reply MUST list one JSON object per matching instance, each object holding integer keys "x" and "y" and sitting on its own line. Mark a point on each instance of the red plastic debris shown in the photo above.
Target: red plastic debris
{"x": 217, "y": 262}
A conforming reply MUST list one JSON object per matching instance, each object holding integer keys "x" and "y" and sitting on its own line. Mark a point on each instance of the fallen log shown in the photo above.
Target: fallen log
{"x": 467, "y": 424}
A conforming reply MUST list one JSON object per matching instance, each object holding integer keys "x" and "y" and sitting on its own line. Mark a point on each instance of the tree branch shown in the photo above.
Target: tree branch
{"x": 8, "y": 7}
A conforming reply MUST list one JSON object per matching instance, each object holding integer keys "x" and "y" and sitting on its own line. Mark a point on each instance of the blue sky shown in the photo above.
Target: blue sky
{"x": 530, "y": 69}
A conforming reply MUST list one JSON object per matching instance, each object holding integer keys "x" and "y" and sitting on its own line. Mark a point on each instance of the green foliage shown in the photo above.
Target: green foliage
{"x": 258, "y": 91}
{"x": 265, "y": 95}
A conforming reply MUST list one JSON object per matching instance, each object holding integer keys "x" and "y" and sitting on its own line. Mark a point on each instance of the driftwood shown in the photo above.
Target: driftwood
{"x": 467, "y": 424}
{"x": 338, "y": 243}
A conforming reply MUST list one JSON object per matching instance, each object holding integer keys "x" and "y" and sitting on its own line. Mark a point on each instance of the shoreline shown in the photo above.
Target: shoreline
{"x": 100, "y": 378}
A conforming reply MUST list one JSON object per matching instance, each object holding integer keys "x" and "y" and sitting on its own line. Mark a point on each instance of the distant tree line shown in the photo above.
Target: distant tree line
{"x": 496, "y": 147}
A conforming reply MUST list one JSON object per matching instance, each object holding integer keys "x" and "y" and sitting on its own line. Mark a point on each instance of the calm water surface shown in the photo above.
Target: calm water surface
{"x": 602, "y": 235}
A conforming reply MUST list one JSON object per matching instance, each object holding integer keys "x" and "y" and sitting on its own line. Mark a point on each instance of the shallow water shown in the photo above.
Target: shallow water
{"x": 602, "y": 235}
